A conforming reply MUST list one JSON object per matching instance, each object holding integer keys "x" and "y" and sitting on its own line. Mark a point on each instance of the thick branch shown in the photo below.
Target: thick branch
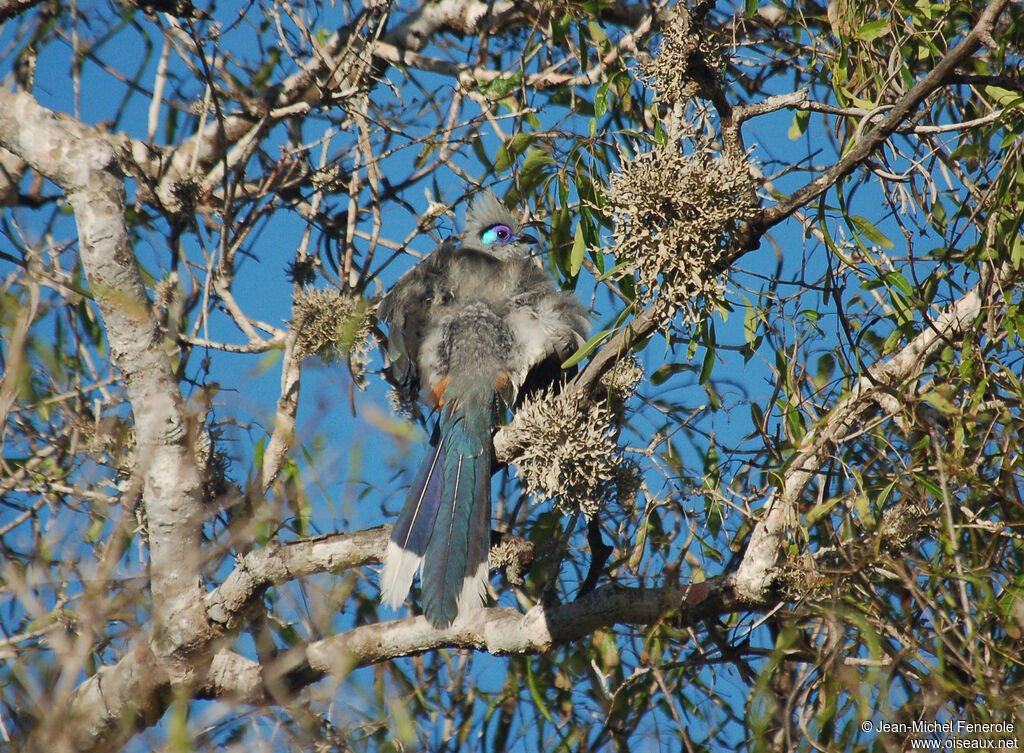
{"x": 280, "y": 563}
{"x": 82, "y": 163}
{"x": 980, "y": 34}
{"x": 96, "y": 717}
{"x": 501, "y": 631}
{"x": 138, "y": 685}
{"x": 882, "y": 382}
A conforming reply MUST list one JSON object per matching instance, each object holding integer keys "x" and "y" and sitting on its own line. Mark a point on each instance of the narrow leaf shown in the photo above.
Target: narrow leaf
{"x": 872, "y": 233}
{"x": 579, "y": 247}
{"x": 587, "y": 348}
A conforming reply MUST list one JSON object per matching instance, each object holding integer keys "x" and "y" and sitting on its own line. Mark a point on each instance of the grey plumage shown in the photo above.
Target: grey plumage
{"x": 466, "y": 327}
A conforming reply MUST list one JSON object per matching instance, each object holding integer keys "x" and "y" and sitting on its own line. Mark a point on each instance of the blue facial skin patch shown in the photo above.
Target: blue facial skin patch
{"x": 497, "y": 234}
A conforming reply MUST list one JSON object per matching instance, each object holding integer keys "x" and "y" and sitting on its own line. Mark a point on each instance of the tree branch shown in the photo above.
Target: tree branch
{"x": 82, "y": 163}
{"x": 503, "y": 631}
{"x": 883, "y": 381}
{"x": 279, "y": 563}
{"x": 980, "y": 34}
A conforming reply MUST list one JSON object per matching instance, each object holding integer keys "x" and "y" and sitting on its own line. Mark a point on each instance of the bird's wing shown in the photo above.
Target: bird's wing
{"x": 549, "y": 326}
{"x": 407, "y": 310}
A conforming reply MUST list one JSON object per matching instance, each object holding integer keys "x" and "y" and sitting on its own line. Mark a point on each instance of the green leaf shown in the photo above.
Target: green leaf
{"x": 587, "y": 348}
{"x": 481, "y": 152}
{"x": 872, "y": 233}
{"x": 535, "y": 692}
{"x": 614, "y": 270}
{"x": 756, "y": 414}
{"x": 872, "y": 30}
{"x": 749, "y": 322}
{"x": 559, "y": 29}
{"x": 500, "y": 87}
{"x": 800, "y": 120}
{"x": 601, "y": 100}
{"x": 708, "y": 364}
{"x": 795, "y": 422}
{"x": 1005, "y": 97}
{"x": 429, "y": 147}
{"x": 598, "y": 36}
{"x": 863, "y": 507}
{"x": 512, "y": 148}
{"x": 257, "y": 451}
{"x": 941, "y": 403}
{"x": 822, "y": 509}
{"x": 1017, "y": 251}
{"x": 95, "y": 530}
{"x": 883, "y": 496}
{"x": 664, "y": 372}
{"x": 713, "y": 516}
{"x": 899, "y": 282}
{"x": 579, "y": 248}
{"x": 502, "y": 160}
{"x": 532, "y": 171}
{"x": 864, "y": 104}
{"x": 825, "y": 371}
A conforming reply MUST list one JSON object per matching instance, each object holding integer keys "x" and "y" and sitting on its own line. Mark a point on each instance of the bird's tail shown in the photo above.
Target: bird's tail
{"x": 444, "y": 528}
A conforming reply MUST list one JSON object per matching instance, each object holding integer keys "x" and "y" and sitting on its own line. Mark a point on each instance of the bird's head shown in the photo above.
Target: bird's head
{"x": 491, "y": 228}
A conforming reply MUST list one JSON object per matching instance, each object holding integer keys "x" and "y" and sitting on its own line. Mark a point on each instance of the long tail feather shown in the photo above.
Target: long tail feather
{"x": 447, "y": 564}
{"x": 444, "y": 527}
{"x": 409, "y": 538}
{"x": 475, "y": 582}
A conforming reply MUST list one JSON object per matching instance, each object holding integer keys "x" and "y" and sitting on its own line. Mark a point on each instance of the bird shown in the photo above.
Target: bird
{"x": 469, "y": 328}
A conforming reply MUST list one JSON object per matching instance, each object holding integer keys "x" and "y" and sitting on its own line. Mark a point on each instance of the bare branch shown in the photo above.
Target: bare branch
{"x": 81, "y": 161}
{"x": 279, "y": 563}
{"x": 881, "y": 382}
{"x": 980, "y": 34}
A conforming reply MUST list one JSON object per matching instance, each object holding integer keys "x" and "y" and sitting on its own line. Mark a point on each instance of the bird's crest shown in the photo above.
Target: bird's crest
{"x": 485, "y": 212}
{"x": 491, "y": 227}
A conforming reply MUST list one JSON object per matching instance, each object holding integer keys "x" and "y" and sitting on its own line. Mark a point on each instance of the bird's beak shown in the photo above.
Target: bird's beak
{"x": 529, "y": 238}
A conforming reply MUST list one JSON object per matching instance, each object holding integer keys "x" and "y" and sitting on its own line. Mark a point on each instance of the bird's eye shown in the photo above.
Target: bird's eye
{"x": 498, "y": 234}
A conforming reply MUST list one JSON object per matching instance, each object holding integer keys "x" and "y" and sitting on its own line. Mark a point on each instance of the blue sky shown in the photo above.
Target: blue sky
{"x": 358, "y": 460}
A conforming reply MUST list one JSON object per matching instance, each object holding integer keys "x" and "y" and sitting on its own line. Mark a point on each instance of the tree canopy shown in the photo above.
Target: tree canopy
{"x": 779, "y": 507}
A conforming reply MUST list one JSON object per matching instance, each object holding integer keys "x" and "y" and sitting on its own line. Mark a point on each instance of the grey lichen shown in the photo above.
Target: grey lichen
{"x": 570, "y": 453}
{"x": 673, "y": 214}
{"x": 335, "y": 328}
{"x": 620, "y": 384}
{"x": 901, "y": 524}
{"x": 689, "y": 60}
{"x": 514, "y": 555}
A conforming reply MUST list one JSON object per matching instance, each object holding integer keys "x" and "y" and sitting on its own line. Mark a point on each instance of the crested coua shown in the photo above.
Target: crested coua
{"x": 468, "y": 327}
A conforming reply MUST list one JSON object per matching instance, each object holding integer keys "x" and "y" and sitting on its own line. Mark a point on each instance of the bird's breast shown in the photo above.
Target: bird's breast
{"x": 472, "y": 339}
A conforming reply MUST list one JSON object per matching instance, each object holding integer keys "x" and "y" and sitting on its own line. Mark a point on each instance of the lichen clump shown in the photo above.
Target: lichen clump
{"x": 688, "y": 62}
{"x": 673, "y": 214}
{"x": 570, "y": 454}
{"x": 335, "y": 328}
